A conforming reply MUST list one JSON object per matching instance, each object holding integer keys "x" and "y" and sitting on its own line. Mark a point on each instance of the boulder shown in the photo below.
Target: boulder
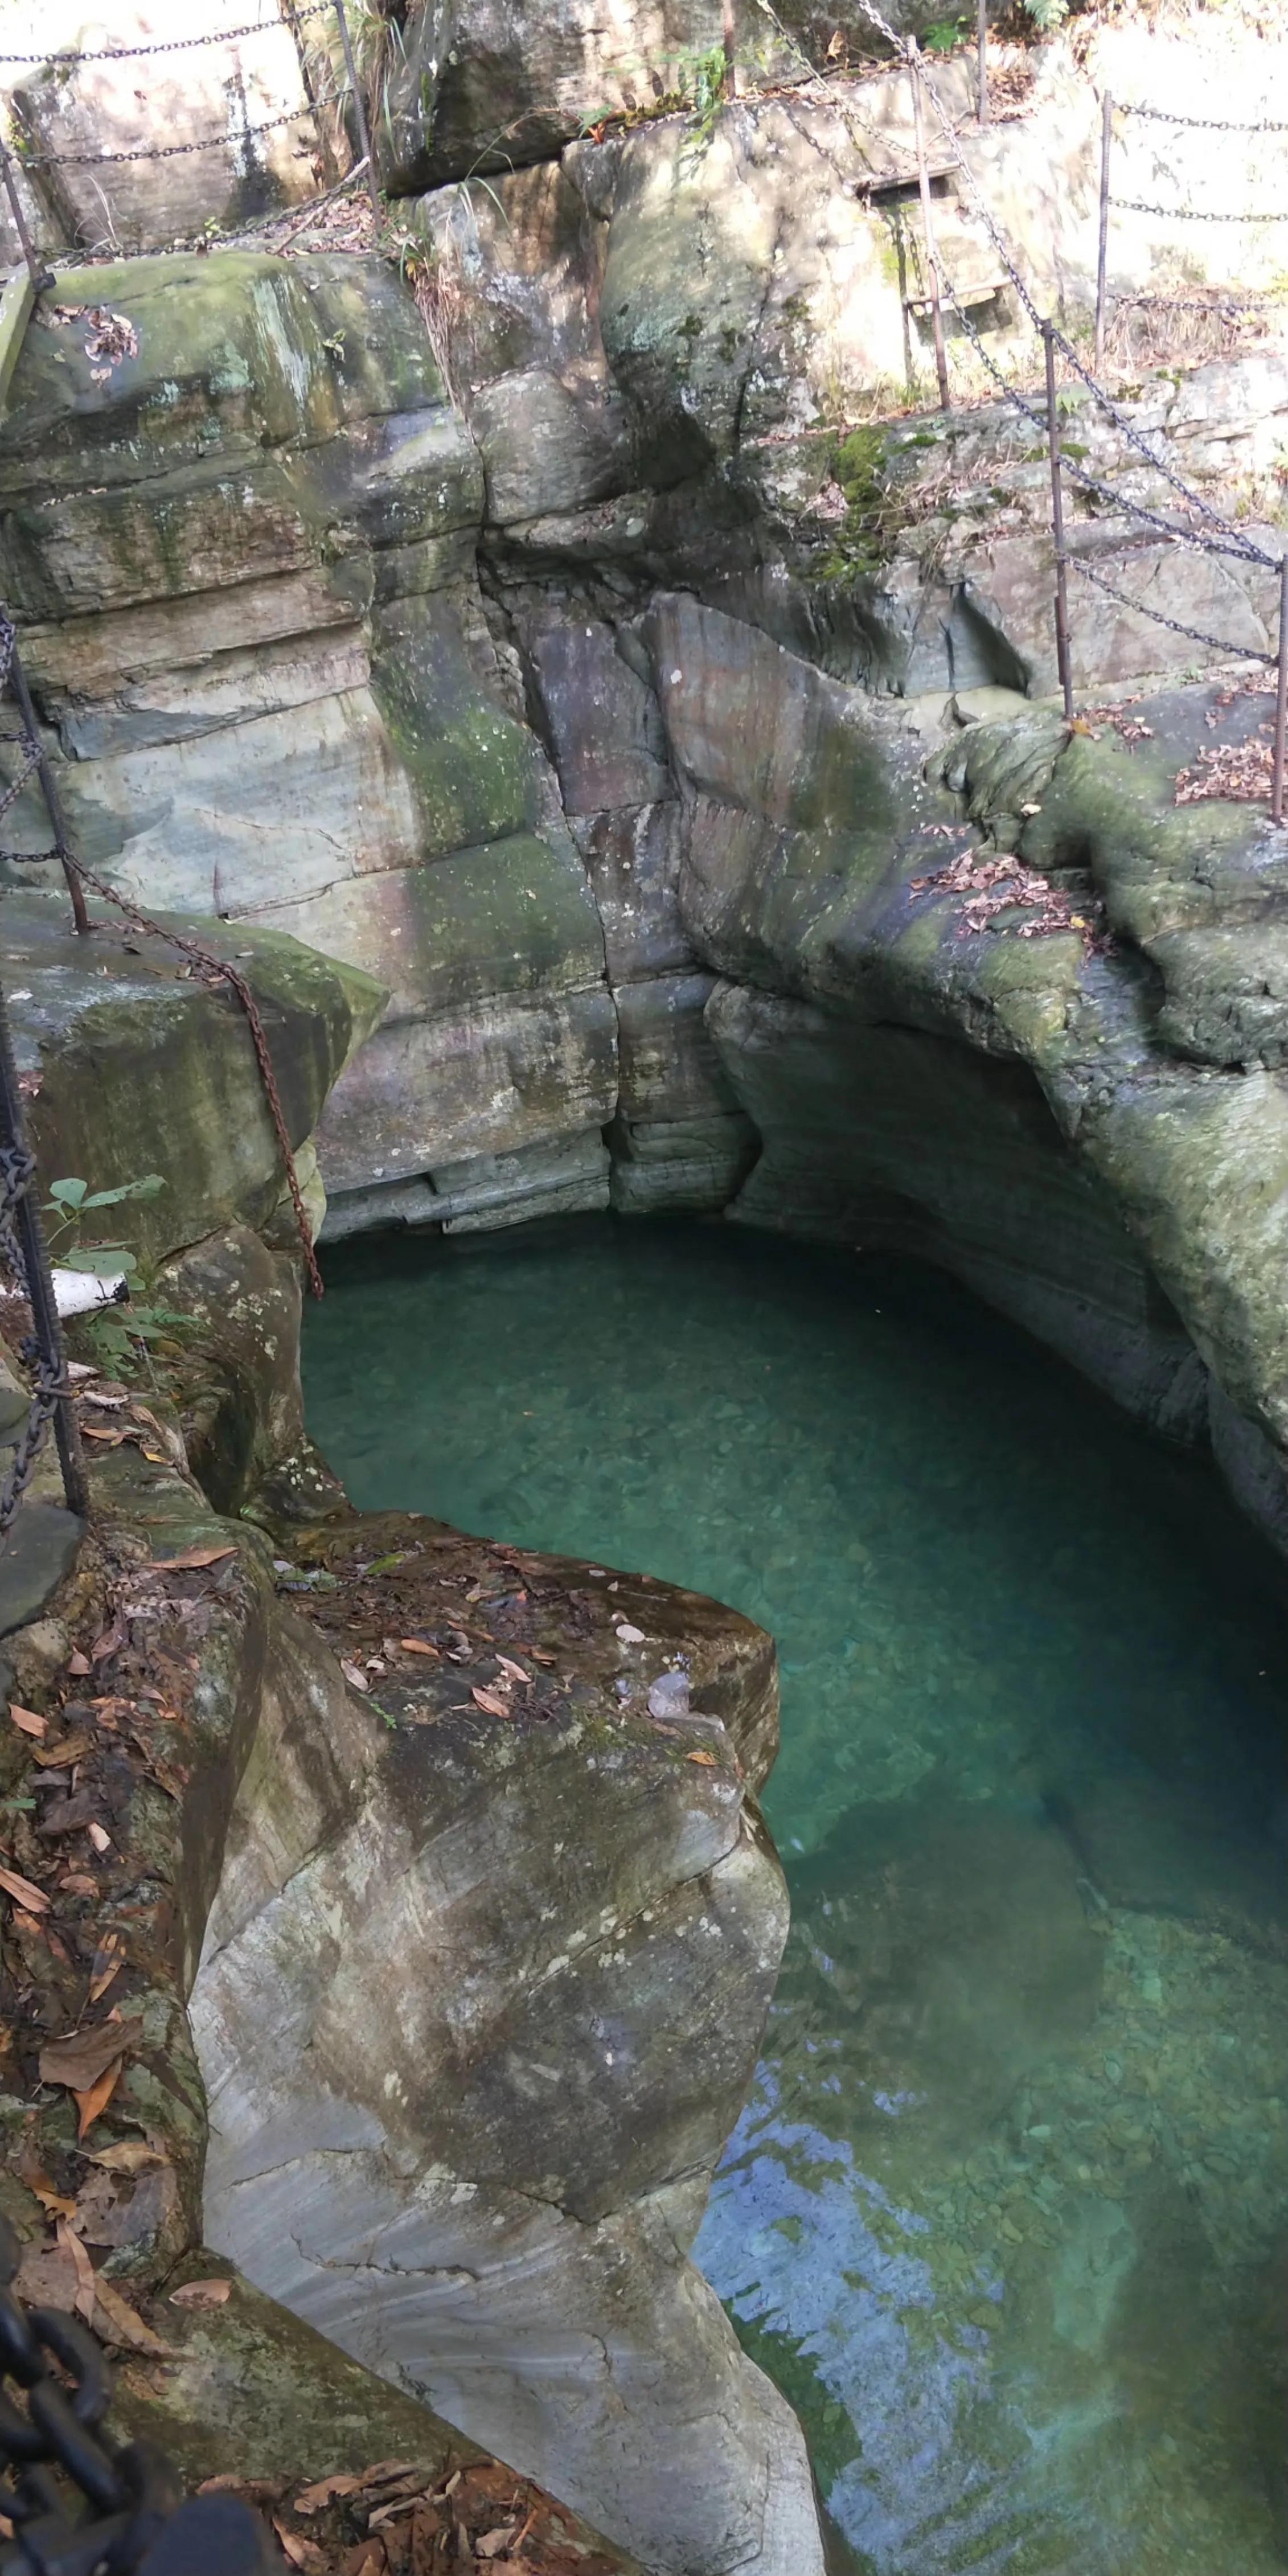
{"x": 479, "y": 2173}
{"x": 129, "y": 1065}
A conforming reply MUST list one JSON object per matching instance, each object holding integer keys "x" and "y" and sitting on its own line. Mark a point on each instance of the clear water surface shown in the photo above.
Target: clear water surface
{"x": 1002, "y": 2216}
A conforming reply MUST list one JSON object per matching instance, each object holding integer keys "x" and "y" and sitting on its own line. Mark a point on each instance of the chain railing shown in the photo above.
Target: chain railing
{"x": 31, "y": 158}
{"x": 1215, "y": 536}
{"x": 1111, "y": 107}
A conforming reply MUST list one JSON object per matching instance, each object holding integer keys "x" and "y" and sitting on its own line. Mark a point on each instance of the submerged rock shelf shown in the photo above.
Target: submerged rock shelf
{"x": 998, "y": 2214}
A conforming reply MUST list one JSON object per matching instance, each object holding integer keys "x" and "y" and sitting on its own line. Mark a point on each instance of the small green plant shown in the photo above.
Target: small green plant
{"x": 118, "y": 1339}
{"x": 68, "y": 1205}
{"x": 945, "y": 35}
{"x": 1047, "y": 15}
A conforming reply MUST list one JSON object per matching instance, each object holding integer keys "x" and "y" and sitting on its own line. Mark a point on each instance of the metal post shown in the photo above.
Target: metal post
{"x": 1057, "y": 527}
{"x": 981, "y": 41}
{"x": 932, "y": 264}
{"x": 1281, "y": 699}
{"x": 46, "y": 1327}
{"x": 44, "y": 771}
{"x": 1106, "y": 140}
{"x": 40, "y": 275}
{"x": 360, "y": 113}
{"x": 731, "y": 60}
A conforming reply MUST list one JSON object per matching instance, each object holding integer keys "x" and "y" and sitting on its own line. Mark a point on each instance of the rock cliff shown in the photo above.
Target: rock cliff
{"x": 441, "y": 1957}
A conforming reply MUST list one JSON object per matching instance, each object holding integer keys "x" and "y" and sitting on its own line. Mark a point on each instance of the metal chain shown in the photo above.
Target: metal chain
{"x": 178, "y": 45}
{"x": 17, "y": 1172}
{"x": 1241, "y": 548}
{"x": 135, "y": 2517}
{"x": 1192, "y": 634}
{"x": 1195, "y": 214}
{"x": 1204, "y": 124}
{"x": 212, "y": 971}
{"x": 167, "y": 151}
{"x": 1232, "y": 542}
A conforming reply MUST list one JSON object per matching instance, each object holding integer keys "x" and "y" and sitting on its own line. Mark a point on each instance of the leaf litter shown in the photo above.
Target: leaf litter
{"x": 399, "y": 2518}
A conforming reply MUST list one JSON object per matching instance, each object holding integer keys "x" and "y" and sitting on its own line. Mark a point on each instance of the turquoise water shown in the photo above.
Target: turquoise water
{"x": 1003, "y": 2214}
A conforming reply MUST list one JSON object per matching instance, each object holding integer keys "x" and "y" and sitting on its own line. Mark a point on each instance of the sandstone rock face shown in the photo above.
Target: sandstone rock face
{"x": 479, "y": 2002}
{"x": 570, "y": 713}
{"x": 254, "y": 625}
{"x": 487, "y": 1951}
{"x": 128, "y": 1066}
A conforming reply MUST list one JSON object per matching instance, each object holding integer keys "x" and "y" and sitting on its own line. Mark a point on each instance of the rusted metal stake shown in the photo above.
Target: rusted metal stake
{"x": 53, "y": 801}
{"x": 1102, "y": 256}
{"x": 1057, "y": 529}
{"x": 45, "y": 1324}
{"x": 1281, "y": 699}
{"x": 730, "y": 52}
{"x": 932, "y": 264}
{"x": 981, "y": 44}
{"x": 360, "y": 113}
{"x": 40, "y": 275}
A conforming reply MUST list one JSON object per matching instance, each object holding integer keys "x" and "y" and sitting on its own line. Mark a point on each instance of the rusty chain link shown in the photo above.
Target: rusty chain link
{"x": 17, "y": 1172}
{"x": 210, "y": 970}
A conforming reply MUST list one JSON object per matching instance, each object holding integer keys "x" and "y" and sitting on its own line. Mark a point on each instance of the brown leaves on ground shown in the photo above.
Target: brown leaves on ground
{"x": 1128, "y": 727}
{"x": 84, "y": 2055}
{"x": 398, "y": 2519}
{"x": 1001, "y": 886}
{"x": 201, "y": 2294}
{"x": 1235, "y": 773}
{"x": 59, "y": 2273}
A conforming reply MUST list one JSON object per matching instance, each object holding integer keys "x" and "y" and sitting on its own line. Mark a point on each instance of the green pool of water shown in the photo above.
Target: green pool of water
{"x": 1001, "y": 2216}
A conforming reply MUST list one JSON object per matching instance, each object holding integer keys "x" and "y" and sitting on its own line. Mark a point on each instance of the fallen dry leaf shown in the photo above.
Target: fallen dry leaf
{"x": 201, "y": 2294}
{"x": 491, "y": 1701}
{"x": 80, "y": 2059}
{"x": 54, "y": 2203}
{"x": 316, "y": 2498}
{"x": 55, "y": 1757}
{"x": 119, "y": 2323}
{"x": 109, "y": 1959}
{"x": 515, "y": 1671}
{"x": 191, "y": 1559}
{"x": 355, "y": 1676}
{"x": 23, "y": 1893}
{"x": 79, "y": 1664}
{"x": 708, "y": 1758}
{"x": 302, "y": 2553}
{"x": 96, "y": 2098}
{"x": 101, "y": 1841}
{"x": 46, "y": 2276}
{"x": 127, "y": 2156}
{"x": 416, "y": 1646}
{"x": 85, "y": 2284}
{"x": 255, "y": 2490}
{"x": 26, "y": 1720}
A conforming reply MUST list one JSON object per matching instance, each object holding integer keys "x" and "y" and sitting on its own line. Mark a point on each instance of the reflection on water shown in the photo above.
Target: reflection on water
{"x": 1002, "y": 2217}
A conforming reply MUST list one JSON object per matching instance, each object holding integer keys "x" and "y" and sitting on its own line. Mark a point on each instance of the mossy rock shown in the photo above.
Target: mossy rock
{"x": 133, "y": 1065}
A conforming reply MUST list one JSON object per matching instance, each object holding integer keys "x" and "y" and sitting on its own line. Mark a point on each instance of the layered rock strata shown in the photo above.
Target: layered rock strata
{"x": 454, "y": 1857}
